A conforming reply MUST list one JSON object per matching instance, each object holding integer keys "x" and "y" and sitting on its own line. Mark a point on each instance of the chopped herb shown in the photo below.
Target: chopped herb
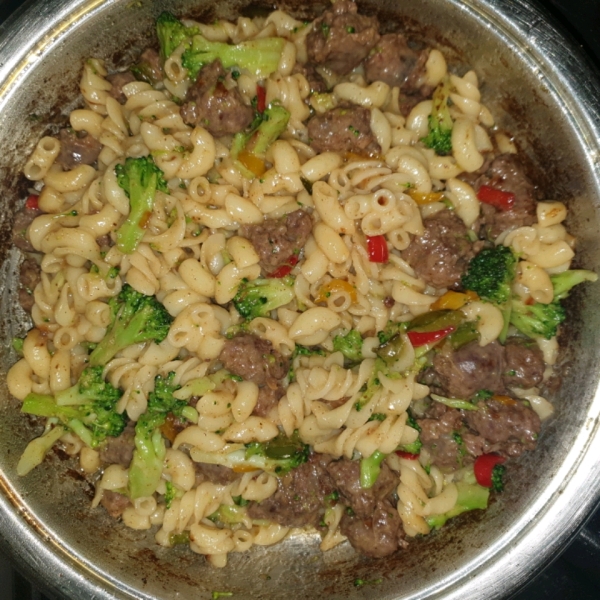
{"x": 361, "y": 582}
{"x": 217, "y": 595}
{"x": 350, "y": 29}
{"x": 240, "y": 501}
{"x": 378, "y": 417}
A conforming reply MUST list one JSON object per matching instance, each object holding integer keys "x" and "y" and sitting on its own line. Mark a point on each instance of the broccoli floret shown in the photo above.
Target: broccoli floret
{"x": 147, "y": 462}
{"x": 350, "y": 345}
{"x": 259, "y": 297}
{"x": 171, "y": 33}
{"x": 564, "y": 282}
{"x": 413, "y": 447}
{"x": 170, "y": 494}
{"x": 471, "y": 496}
{"x": 491, "y": 273}
{"x": 498, "y": 478}
{"x": 439, "y": 137}
{"x": 278, "y": 456}
{"x": 91, "y": 387}
{"x": 542, "y": 320}
{"x": 140, "y": 178}
{"x": 259, "y": 56}
{"x": 88, "y": 408}
{"x": 537, "y": 320}
{"x": 370, "y": 468}
{"x": 249, "y": 148}
{"x": 137, "y": 318}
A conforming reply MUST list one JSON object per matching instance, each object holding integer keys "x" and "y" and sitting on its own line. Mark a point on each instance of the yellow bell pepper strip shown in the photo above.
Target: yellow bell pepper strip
{"x": 454, "y": 300}
{"x": 425, "y": 198}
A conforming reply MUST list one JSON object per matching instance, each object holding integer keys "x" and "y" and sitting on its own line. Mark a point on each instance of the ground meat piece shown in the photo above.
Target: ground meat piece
{"x": 215, "y": 474}
{"x": 77, "y": 148}
{"x": 462, "y": 373}
{"x": 22, "y": 221}
{"x": 117, "y": 81}
{"x": 267, "y": 399}
{"x": 439, "y": 435}
{"x": 341, "y": 38}
{"x": 346, "y": 476}
{"x": 391, "y": 61}
{"x": 315, "y": 81}
{"x": 524, "y": 363}
{"x": 29, "y": 277}
{"x": 378, "y": 535}
{"x": 114, "y": 503}
{"x": 209, "y": 103}
{"x": 277, "y": 240}
{"x": 440, "y": 256}
{"x": 149, "y": 67}
{"x": 346, "y": 128}
{"x": 508, "y": 175}
{"x": 253, "y": 359}
{"x": 300, "y": 496}
{"x": 509, "y": 427}
{"x": 119, "y": 450}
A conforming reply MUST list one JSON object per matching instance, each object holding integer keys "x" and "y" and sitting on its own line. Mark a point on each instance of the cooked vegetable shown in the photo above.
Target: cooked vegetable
{"x": 429, "y": 337}
{"x": 377, "y": 249}
{"x": 439, "y": 137}
{"x": 496, "y": 198}
{"x": 471, "y": 496}
{"x": 278, "y": 456}
{"x": 260, "y": 56}
{"x": 171, "y": 33}
{"x": 454, "y": 402}
{"x": 350, "y": 345}
{"x": 537, "y": 320}
{"x": 489, "y": 471}
{"x": 370, "y": 468}
{"x": 147, "y": 462}
{"x": 137, "y": 318}
{"x": 259, "y": 297}
{"x": 140, "y": 178}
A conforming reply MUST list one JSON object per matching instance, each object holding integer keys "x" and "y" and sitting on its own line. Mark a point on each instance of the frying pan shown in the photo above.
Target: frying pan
{"x": 542, "y": 92}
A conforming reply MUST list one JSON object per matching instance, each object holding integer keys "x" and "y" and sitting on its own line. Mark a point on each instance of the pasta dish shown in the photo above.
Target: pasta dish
{"x": 287, "y": 275}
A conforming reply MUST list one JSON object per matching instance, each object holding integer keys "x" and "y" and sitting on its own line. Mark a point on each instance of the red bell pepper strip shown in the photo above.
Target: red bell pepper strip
{"x": 377, "y": 248}
{"x": 496, "y": 198}
{"x": 261, "y": 98}
{"x": 418, "y": 338}
{"x": 32, "y": 202}
{"x": 407, "y": 455}
{"x": 484, "y": 468}
{"x": 286, "y": 269}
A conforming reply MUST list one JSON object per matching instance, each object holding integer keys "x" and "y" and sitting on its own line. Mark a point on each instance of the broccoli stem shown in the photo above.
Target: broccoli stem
{"x": 564, "y": 282}
{"x": 259, "y": 56}
{"x": 370, "y": 468}
{"x": 471, "y": 496}
{"x": 36, "y": 450}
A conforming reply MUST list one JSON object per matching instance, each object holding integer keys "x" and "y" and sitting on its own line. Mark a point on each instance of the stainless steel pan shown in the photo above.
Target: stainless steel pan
{"x": 547, "y": 96}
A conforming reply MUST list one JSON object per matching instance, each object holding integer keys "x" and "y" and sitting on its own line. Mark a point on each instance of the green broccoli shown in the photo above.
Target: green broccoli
{"x": 413, "y": 447}
{"x": 259, "y": 297}
{"x": 35, "y": 451}
{"x": 249, "y": 148}
{"x": 542, "y": 320}
{"x": 137, "y": 318}
{"x": 171, "y": 33}
{"x": 140, "y": 178}
{"x": 147, "y": 462}
{"x": 259, "y": 56}
{"x": 391, "y": 330}
{"x": 370, "y": 467}
{"x": 439, "y": 137}
{"x": 471, "y": 496}
{"x": 278, "y": 456}
{"x": 563, "y": 283}
{"x": 490, "y": 274}
{"x": 537, "y": 320}
{"x": 91, "y": 387}
{"x": 498, "y": 478}
{"x": 350, "y": 345}
{"x": 88, "y": 408}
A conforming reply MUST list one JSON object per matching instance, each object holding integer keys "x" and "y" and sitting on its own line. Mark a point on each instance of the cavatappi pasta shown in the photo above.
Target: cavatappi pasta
{"x": 378, "y": 321}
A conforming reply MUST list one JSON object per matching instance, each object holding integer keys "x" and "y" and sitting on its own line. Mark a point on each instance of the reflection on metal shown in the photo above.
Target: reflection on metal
{"x": 543, "y": 93}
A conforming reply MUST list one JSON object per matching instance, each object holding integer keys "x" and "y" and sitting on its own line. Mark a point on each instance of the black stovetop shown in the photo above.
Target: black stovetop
{"x": 575, "y": 574}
